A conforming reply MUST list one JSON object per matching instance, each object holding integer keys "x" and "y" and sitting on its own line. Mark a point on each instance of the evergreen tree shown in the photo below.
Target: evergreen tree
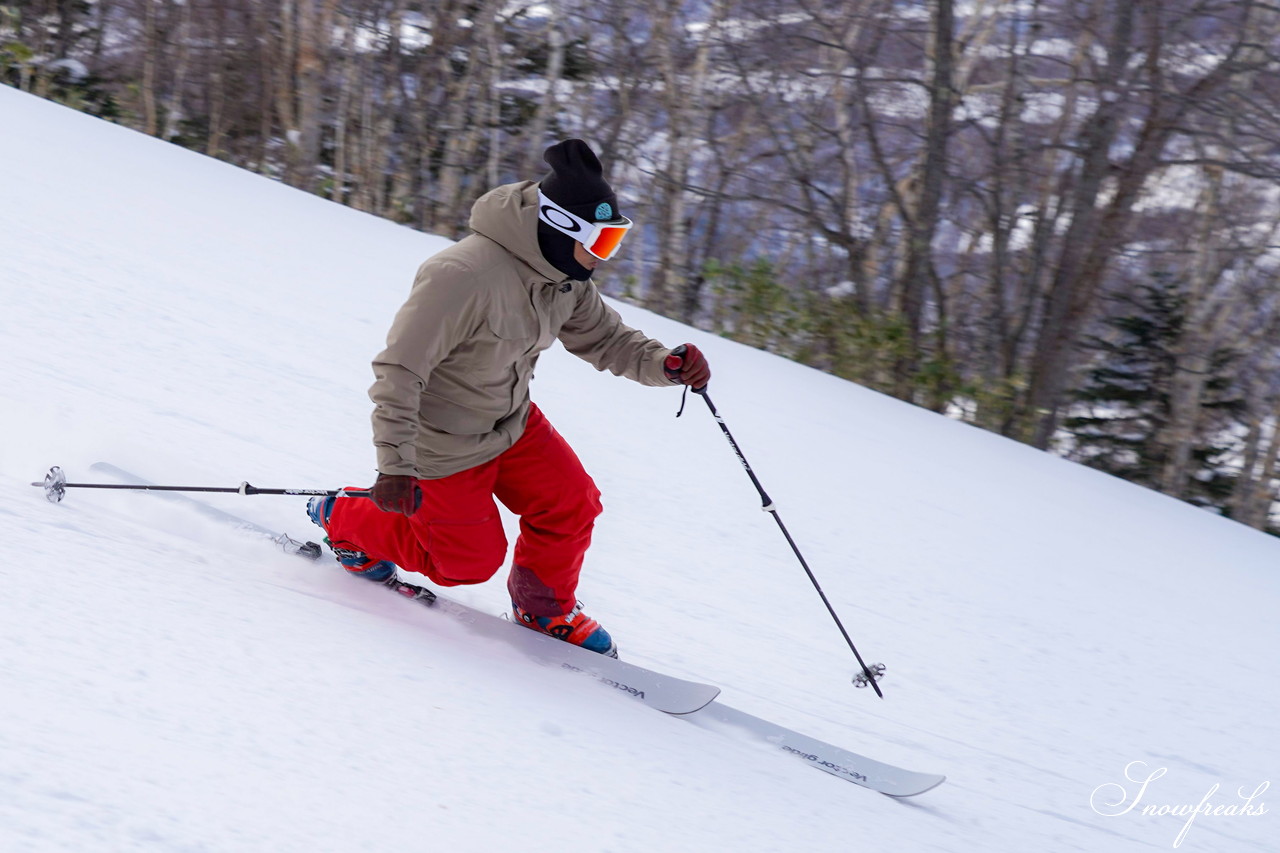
{"x": 1122, "y": 409}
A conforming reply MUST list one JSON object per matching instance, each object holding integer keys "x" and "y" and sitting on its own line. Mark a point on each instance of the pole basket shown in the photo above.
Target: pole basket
{"x": 55, "y": 485}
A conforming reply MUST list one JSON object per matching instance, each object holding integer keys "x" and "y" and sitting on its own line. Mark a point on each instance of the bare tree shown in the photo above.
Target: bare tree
{"x": 1143, "y": 100}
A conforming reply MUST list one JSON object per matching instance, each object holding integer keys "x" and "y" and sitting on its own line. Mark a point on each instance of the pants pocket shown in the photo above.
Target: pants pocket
{"x": 466, "y": 552}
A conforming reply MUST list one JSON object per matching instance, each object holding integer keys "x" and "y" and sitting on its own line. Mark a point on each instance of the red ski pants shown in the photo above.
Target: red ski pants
{"x": 456, "y": 536}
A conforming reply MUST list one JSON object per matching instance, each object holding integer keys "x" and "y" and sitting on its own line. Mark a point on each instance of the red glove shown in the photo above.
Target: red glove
{"x": 396, "y": 493}
{"x": 687, "y": 365}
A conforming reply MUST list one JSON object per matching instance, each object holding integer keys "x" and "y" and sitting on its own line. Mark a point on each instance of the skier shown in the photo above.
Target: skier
{"x": 453, "y": 423}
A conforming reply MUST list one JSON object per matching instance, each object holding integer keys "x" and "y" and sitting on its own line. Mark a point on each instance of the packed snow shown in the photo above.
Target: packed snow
{"x": 1054, "y": 638}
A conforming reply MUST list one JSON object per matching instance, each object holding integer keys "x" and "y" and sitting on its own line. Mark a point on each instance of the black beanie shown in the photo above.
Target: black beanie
{"x": 576, "y": 183}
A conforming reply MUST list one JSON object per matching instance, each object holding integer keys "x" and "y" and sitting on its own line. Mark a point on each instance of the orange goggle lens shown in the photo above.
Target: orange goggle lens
{"x": 606, "y": 242}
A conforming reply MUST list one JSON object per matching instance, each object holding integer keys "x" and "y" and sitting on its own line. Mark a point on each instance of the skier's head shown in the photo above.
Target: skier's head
{"x": 574, "y": 198}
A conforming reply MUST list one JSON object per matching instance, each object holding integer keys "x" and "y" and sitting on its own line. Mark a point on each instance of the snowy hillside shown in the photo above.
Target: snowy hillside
{"x": 172, "y": 685}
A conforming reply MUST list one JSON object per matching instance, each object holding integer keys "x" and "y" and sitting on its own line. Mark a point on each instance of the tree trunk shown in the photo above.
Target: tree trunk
{"x": 150, "y": 56}
{"x": 218, "y": 63}
{"x": 341, "y": 119}
{"x": 682, "y": 96}
{"x": 174, "y": 113}
{"x": 922, "y": 221}
{"x": 1265, "y": 491}
{"x": 547, "y": 105}
{"x": 311, "y": 41}
{"x": 1194, "y": 349}
{"x": 285, "y": 65}
{"x": 466, "y": 96}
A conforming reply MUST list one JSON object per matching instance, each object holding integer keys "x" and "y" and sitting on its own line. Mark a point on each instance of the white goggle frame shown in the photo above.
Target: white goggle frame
{"x": 601, "y": 239}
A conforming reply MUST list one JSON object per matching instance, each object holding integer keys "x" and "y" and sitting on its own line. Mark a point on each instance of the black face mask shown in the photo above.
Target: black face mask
{"x": 557, "y": 248}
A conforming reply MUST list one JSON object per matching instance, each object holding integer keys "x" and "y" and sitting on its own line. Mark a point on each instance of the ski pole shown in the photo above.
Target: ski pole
{"x": 55, "y": 488}
{"x": 869, "y": 674}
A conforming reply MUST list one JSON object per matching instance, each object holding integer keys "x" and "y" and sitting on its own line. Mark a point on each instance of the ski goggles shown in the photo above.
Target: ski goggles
{"x": 601, "y": 239}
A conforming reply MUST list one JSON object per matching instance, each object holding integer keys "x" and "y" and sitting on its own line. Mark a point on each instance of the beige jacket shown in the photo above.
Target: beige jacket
{"x": 452, "y": 386}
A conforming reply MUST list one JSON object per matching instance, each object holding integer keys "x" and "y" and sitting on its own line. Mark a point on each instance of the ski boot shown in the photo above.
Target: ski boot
{"x": 355, "y": 561}
{"x": 574, "y": 627}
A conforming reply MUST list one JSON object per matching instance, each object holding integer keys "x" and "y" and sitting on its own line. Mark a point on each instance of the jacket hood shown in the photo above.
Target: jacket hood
{"x": 508, "y": 215}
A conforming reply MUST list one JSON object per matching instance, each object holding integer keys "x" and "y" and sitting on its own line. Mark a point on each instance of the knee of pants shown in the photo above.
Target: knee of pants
{"x": 589, "y": 505}
{"x": 466, "y": 551}
{"x": 571, "y": 511}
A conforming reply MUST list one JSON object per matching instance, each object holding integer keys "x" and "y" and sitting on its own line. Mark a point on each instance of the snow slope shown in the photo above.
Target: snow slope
{"x": 169, "y": 685}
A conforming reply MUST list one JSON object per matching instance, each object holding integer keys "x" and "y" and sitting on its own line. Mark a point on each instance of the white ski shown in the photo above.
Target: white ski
{"x": 666, "y": 693}
{"x": 850, "y": 766}
{"x": 691, "y": 700}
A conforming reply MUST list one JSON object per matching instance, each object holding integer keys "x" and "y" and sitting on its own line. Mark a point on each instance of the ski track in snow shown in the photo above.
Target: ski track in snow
{"x": 171, "y": 685}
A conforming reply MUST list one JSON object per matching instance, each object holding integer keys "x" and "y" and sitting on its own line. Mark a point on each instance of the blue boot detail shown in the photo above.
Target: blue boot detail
{"x": 319, "y": 509}
{"x": 574, "y": 627}
{"x": 354, "y": 561}
{"x": 378, "y": 571}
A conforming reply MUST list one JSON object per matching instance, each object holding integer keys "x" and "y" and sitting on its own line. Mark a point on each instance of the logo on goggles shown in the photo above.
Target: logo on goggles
{"x": 601, "y": 239}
